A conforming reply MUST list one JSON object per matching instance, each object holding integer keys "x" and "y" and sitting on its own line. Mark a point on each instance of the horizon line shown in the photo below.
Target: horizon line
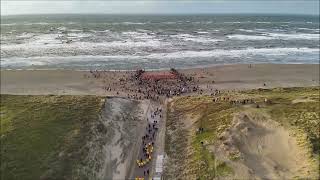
{"x": 161, "y": 14}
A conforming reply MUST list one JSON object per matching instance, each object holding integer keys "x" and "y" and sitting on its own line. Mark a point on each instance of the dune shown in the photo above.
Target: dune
{"x": 264, "y": 149}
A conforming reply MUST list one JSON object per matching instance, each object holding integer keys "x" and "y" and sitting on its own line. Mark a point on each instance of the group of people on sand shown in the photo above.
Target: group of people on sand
{"x": 136, "y": 87}
{"x": 132, "y": 85}
{"x": 155, "y": 88}
{"x": 148, "y": 142}
{"x": 232, "y": 101}
{"x": 242, "y": 101}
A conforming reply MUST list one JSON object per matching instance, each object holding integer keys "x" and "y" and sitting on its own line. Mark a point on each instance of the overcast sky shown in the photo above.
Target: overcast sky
{"x": 9, "y": 7}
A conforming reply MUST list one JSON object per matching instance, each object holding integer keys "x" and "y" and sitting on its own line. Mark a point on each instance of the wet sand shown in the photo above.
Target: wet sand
{"x": 60, "y": 82}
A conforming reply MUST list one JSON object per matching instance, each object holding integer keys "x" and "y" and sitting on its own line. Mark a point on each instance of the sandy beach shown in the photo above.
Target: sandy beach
{"x": 217, "y": 77}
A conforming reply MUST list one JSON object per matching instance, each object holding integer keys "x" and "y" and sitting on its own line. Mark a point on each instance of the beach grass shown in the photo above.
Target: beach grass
{"x": 294, "y": 108}
{"x": 42, "y": 136}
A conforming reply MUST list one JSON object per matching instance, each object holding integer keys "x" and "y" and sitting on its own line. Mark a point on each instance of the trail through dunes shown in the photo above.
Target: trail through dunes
{"x": 259, "y": 148}
{"x": 114, "y": 147}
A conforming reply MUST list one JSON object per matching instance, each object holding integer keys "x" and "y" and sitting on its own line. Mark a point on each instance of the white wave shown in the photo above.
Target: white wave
{"x": 144, "y": 30}
{"x": 53, "y": 60}
{"x": 202, "y": 40}
{"x": 9, "y": 24}
{"x": 75, "y": 30}
{"x": 263, "y": 22}
{"x": 54, "y": 44}
{"x": 4, "y": 38}
{"x": 198, "y": 39}
{"x": 79, "y": 35}
{"x": 57, "y": 44}
{"x": 202, "y": 22}
{"x": 100, "y": 31}
{"x": 232, "y": 53}
{"x": 257, "y": 22}
{"x": 249, "y": 37}
{"x": 271, "y": 36}
{"x": 38, "y": 23}
{"x": 5, "y": 62}
{"x": 132, "y": 33}
{"x": 246, "y": 30}
{"x": 233, "y": 22}
{"x": 238, "y": 53}
{"x": 139, "y": 35}
{"x": 127, "y": 23}
{"x": 309, "y": 29}
{"x": 25, "y": 35}
{"x": 35, "y": 23}
{"x": 278, "y": 30}
{"x": 306, "y": 29}
{"x": 134, "y": 23}
{"x": 261, "y": 30}
{"x": 202, "y": 32}
{"x": 27, "y": 24}
{"x": 170, "y": 22}
{"x": 43, "y": 39}
{"x": 295, "y": 36}
{"x": 62, "y": 28}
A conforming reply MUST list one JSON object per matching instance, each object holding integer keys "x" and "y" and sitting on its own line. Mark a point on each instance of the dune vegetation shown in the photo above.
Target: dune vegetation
{"x": 48, "y": 137}
{"x": 196, "y": 124}
{"x": 43, "y": 137}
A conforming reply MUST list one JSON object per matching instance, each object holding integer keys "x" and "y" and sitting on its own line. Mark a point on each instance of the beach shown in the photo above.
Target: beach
{"x": 161, "y": 96}
{"x": 229, "y": 77}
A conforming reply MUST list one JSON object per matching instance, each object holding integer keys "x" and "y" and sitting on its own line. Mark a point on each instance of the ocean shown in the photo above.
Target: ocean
{"x": 128, "y": 42}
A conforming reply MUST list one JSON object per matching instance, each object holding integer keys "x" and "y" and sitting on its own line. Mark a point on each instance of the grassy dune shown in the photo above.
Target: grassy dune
{"x": 43, "y": 136}
{"x": 296, "y": 109}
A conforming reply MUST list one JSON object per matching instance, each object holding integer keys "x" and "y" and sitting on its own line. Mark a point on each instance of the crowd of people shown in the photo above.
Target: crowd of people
{"x": 148, "y": 142}
{"x": 131, "y": 84}
{"x": 155, "y": 88}
{"x": 232, "y": 101}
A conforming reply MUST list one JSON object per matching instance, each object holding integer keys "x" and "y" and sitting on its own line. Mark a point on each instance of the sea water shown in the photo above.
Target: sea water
{"x": 127, "y": 42}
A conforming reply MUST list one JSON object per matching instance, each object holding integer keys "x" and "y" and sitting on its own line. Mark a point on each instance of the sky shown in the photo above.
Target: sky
{"x": 11, "y": 7}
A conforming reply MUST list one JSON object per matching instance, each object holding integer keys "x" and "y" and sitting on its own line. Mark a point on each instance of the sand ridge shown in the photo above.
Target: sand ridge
{"x": 258, "y": 148}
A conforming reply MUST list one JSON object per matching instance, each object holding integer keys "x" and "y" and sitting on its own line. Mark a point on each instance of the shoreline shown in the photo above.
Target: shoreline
{"x": 156, "y": 70}
{"x": 221, "y": 77}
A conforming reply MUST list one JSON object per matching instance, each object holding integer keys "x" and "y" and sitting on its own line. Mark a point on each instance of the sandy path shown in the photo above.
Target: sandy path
{"x": 160, "y": 141}
{"x": 112, "y": 153}
{"x": 139, "y": 172}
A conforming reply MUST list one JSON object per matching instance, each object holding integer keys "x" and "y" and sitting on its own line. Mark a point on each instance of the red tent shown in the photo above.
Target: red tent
{"x": 157, "y": 75}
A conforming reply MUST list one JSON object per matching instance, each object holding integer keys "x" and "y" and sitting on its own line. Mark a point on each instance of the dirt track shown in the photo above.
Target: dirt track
{"x": 158, "y": 140}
